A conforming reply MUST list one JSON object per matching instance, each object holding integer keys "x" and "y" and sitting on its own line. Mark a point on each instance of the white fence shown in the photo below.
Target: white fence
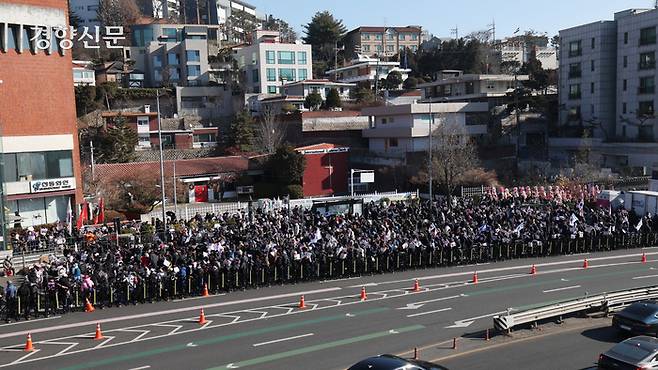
{"x": 186, "y": 211}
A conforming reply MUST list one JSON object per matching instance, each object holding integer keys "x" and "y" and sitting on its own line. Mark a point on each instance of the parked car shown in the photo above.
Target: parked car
{"x": 391, "y": 362}
{"x": 640, "y": 318}
{"x": 637, "y": 353}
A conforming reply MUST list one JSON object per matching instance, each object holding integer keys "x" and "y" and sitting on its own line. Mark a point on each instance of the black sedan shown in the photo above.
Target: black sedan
{"x": 639, "y": 318}
{"x": 391, "y": 362}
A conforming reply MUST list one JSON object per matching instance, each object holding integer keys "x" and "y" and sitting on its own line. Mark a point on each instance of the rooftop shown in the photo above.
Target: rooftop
{"x": 184, "y": 167}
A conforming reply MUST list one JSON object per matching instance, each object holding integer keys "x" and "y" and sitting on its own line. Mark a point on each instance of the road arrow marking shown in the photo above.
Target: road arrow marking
{"x": 411, "y": 306}
{"x": 564, "y": 279}
{"x": 232, "y": 366}
{"x": 417, "y": 305}
{"x": 349, "y": 315}
{"x": 393, "y": 331}
{"x": 467, "y": 322}
{"x": 192, "y": 345}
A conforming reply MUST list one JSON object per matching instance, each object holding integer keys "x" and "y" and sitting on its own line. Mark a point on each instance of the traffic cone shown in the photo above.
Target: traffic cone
{"x": 205, "y": 290}
{"x": 88, "y": 306}
{"x": 533, "y": 270}
{"x": 202, "y": 318}
{"x": 302, "y": 304}
{"x": 99, "y": 334}
{"x": 364, "y": 296}
{"x": 28, "y": 344}
{"x": 644, "y": 258}
{"x": 416, "y": 287}
{"x": 475, "y": 277}
{"x": 585, "y": 263}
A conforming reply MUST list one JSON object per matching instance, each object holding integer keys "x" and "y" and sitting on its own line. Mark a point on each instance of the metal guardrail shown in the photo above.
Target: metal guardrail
{"x": 606, "y": 303}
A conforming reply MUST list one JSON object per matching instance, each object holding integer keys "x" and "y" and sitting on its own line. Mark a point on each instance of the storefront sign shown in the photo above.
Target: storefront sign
{"x": 325, "y": 151}
{"x": 42, "y": 186}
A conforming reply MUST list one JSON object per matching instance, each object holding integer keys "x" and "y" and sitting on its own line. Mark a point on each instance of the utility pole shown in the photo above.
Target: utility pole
{"x": 93, "y": 166}
{"x": 175, "y": 200}
{"x": 162, "y": 175}
{"x": 429, "y": 169}
{"x": 518, "y": 114}
{"x": 455, "y": 31}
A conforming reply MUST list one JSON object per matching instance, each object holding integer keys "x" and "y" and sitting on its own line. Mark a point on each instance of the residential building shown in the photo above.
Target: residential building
{"x": 268, "y": 63}
{"x": 171, "y": 54}
{"x": 87, "y": 11}
{"x": 454, "y": 86}
{"x": 160, "y": 9}
{"x": 523, "y": 48}
{"x": 366, "y": 69}
{"x": 120, "y": 73}
{"x": 220, "y": 12}
{"x": 400, "y": 129}
{"x": 42, "y": 176}
{"x": 83, "y": 73}
{"x": 326, "y": 171}
{"x": 322, "y": 87}
{"x": 382, "y": 41}
{"x": 207, "y": 102}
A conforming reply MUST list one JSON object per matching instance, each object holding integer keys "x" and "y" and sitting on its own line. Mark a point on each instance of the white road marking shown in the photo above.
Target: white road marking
{"x": 24, "y": 357}
{"x": 282, "y": 340}
{"x": 467, "y": 322}
{"x": 561, "y": 289}
{"x": 165, "y": 312}
{"x": 429, "y": 312}
{"x": 416, "y": 305}
{"x": 140, "y": 368}
{"x": 200, "y": 297}
{"x": 644, "y": 277}
{"x": 30, "y": 321}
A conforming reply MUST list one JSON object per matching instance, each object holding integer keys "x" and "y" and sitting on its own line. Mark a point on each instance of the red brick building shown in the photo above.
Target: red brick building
{"x": 37, "y": 115}
{"x": 327, "y": 169}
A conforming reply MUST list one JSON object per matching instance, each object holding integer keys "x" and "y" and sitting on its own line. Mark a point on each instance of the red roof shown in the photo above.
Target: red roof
{"x": 317, "y": 146}
{"x": 184, "y": 167}
{"x": 411, "y": 93}
{"x": 126, "y": 114}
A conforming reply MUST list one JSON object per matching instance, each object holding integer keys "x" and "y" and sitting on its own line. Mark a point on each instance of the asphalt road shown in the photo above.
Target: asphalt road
{"x": 264, "y": 329}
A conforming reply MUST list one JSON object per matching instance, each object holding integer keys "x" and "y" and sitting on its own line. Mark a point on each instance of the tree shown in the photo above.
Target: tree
{"x": 410, "y": 83}
{"x": 117, "y": 12}
{"x": 114, "y": 144}
{"x": 323, "y": 33}
{"x": 242, "y": 131}
{"x": 85, "y": 100}
{"x": 393, "y": 80}
{"x": 462, "y": 54}
{"x": 313, "y": 101}
{"x": 74, "y": 19}
{"x": 270, "y": 132}
{"x": 286, "y": 33}
{"x": 333, "y": 99}
{"x": 362, "y": 94}
{"x": 287, "y": 165}
{"x": 240, "y": 25}
{"x": 453, "y": 155}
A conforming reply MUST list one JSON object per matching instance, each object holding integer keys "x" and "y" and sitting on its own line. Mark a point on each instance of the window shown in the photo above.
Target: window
{"x": 205, "y": 138}
{"x": 573, "y": 114}
{"x": 142, "y": 121}
{"x": 624, "y": 85}
{"x": 59, "y": 164}
{"x": 269, "y": 57}
{"x": 645, "y": 108}
{"x": 379, "y": 48}
{"x": 593, "y": 43}
{"x": 414, "y": 37}
{"x": 625, "y": 61}
{"x": 271, "y": 74}
{"x": 26, "y": 44}
{"x": 365, "y": 36}
{"x": 414, "y": 48}
{"x": 302, "y": 74}
{"x": 648, "y": 36}
{"x": 625, "y": 38}
{"x": 390, "y": 37}
{"x": 157, "y": 61}
{"x": 38, "y": 166}
{"x": 12, "y": 37}
{"x": 301, "y": 57}
{"x": 254, "y": 75}
{"x": 10, "y": 173}
{"x": 271, "y": 89}
{"x": 401, "y": 37}
{"x": 193, "y": 56}
{"x": 591, "y": 88}
{"x": 574, "y": 91}
{"x": 172, "y": 58}
{"x": 287, "y": 74}
{"x": 647, "y": 85}
{"x": 366, "y": 47}
{"x": 393, "y": 142}
{"x": 378, "y": 36}
{"x": 648, "y": 60}
{"x": 575, "y": 49}
{"x": 170, "y": 34}
{"x": 92, "y": 8}
{"x": 193, "y": 71}
{"x": 157, "y": 74}
{"x": 389, "y": 47}
{"x": 593, "y": 67}
{"x": 286, "y": 57}
{"x": 623, "y": 108}
{"x": 174, "y": 73}
{"x": 575, "y": 70}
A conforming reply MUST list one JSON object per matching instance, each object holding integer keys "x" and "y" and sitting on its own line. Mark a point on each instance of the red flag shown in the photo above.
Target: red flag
{"x": 84, "y": 215}
{"x": 101, "y": 211}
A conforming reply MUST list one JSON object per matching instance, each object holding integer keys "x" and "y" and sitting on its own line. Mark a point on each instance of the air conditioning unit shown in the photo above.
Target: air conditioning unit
{"x": 147, "y": 108}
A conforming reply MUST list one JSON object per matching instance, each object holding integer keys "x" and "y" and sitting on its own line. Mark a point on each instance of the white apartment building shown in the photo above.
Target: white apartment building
{"x": 396, "y": 130}
{"x": 454, "y": 85}
{"x": 83, "y": 73}
{"x": 522, "y": 54}
{"x": 365, "y": 68}
{"x": 86, "y": 10}
{"x": 322, "y": 87}
{"x": 268, "y": 64}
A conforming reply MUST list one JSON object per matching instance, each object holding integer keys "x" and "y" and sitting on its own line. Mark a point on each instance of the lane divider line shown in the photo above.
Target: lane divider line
{"x": 283, "y": 339}
{"x": 561, "y": 289}
{"x": 644, "y": 277}
{"x": 429, "y": 312}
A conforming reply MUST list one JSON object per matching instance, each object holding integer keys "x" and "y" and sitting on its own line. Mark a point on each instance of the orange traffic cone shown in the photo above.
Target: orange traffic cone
{"x": 205, "y": 290}
{"x": 202, "y": 318}
{"x": 99, "y": 334}
{"x": 585, "y": 263}
{"x": 416, "y": 287}
{"x": 88, "y": 306}
{"x": 533, "y": 270}
{"x": 644, "y": 258}
{"x": 364, "y": 296}
{"x": 28, "y": 344}
{"x": 475, "y": 277}
{"x": 302, "y": 304}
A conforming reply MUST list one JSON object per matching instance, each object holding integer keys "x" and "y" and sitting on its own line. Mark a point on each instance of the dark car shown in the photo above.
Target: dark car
{"x": 391, "y": 362}
{"x": 640, "y": 318}
{"x": 637, "y": 353}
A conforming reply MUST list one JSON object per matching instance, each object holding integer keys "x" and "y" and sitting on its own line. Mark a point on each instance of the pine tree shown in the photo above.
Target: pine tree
{"x": 333, "y": 99}
{"x": 242, "y": 131}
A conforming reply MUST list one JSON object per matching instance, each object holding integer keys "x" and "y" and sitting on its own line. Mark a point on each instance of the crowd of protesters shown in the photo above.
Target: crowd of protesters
{"x": 196, "y": 251}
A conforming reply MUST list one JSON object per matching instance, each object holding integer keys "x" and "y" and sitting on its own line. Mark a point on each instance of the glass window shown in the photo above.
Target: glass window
{"x": 157, "y": 61}
{"x": 77, "y": 74}
{"x": 157, "y": 74}
{"x": 254, "y": 75}
{"x": 303, "y": 74}
{"x": 194, "y": 71}
{"x": 287, "y": 74}
{"x": 271, "y": 74}
{"x": 10, "y": 172}
{"x": 193, "y": 56}
{"x": 286, "y": 57}
{"x": 378, "y": 36}
{"x": 33, "y": 211}
{"x": 647, "y": 85}
{"x": 574, "y": 91}
{"x": 648, "y": 60}
{"x": 575, "y": 49}
{"x": 271, "y": 89}
{"x": 301, "y": 57}
{"x": 205, "y": 138}
{"x": 379, "y": 48}
{"x": 56, "y": 208}
{"x": 645, "y": 108}
{"x": 625, "y": 61}
{"x": 624, "y": 85}
{"x": 365, "y": 36}
{"x": 59, "y": 164}
{"x": 174, "y": 73}
{"x": 12, "y": 37}
{"x": 389, "y": 47}
{"x": 254, "y": 58}
{"x": 366, "y": 47}
{"x": 401, "y": 36}
{"x": 390, "y": 37}
{"x": 269, "y": 57}
{"x": 170, "y": 33}
{"x": 31, "y": 166}
{"x": 593, "y": 43}
{"x": 414, "y": 37}
{"x": 172, "y": 58}
{"x": 625, "y": 38}
{"x": 648, "y": 36}
{"x": 26, "y": 44}
{"x": 593, "y": 66}
{"x": 142, "y": 121}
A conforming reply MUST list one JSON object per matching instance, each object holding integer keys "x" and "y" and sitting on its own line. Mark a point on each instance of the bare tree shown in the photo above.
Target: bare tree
{"x": 270, "y": 132}
{"x": 117, "y": 12}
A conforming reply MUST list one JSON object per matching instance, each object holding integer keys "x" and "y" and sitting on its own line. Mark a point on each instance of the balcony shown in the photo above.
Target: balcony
{"x": 649, "y": 40}
{"x": 646, "y": 90}
{"x": 647, "y": 65}
{"x": 575, "y": 74}
{"x": 575, "y": 53}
